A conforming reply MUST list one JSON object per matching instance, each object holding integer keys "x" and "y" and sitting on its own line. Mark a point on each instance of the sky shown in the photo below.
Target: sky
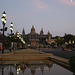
{"x": 55, "y": 16}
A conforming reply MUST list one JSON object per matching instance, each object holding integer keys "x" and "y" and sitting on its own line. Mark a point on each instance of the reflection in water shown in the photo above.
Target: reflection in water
{"x": 2, "y": 70}
{"x": 10, "y": 73}
{"x": 34, "y": 68}
{"x": 18, "y": 69}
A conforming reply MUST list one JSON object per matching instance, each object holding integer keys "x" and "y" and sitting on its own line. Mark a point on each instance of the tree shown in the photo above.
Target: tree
{"x": 59, "y": 41}
{"x": 68, "y": 37}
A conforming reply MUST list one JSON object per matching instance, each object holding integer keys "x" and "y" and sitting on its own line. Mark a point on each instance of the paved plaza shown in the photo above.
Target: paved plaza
{"x": 24, "y": 55}
{"x": 55, "y": 51}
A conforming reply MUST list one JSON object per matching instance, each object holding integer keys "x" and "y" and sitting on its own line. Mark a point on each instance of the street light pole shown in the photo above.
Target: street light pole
{"x": 4, "y": 22}
{"x": 11, "y": 29}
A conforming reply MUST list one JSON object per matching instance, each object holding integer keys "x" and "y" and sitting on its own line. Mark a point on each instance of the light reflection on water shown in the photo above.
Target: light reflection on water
{"x": 35, "y": 68}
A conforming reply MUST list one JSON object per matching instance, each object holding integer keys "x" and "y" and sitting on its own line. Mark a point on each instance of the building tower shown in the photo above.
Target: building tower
{"x": 49, "y": 35}
{"x": 33, "y": 30}
{"x": 23, "y": 32}
{"x": 41, "y": 32}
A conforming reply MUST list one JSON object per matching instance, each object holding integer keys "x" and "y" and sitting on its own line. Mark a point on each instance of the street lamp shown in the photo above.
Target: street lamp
{"x": 4, "y": 22}
{"x": 11, "y": 29}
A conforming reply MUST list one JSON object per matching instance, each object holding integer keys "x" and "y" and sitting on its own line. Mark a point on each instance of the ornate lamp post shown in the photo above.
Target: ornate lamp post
{"x": 11, "y": 29}
{"x": 4, "y": 22}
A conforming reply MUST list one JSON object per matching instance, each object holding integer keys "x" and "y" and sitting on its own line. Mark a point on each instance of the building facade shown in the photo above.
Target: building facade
{"x": 35, "y": 39}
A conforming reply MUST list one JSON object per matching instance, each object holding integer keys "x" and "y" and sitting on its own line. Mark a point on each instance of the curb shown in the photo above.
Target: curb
{"x": 61, "y": 61}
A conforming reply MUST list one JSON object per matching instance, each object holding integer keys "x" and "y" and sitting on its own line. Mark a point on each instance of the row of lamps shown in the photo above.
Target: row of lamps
{"x": 3, "y": 19}
{"x": 19, "y": 36}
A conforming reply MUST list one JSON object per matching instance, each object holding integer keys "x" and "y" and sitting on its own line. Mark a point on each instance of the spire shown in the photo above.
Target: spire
{"x": 33, "y": 30}
{"x": 49, "y": 34}
{"x": 23, "y": 32}
{"x": 41, "y": 32}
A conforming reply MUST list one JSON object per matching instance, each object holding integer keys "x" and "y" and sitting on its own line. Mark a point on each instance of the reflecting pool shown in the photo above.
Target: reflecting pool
{"x": 45, "y": 67}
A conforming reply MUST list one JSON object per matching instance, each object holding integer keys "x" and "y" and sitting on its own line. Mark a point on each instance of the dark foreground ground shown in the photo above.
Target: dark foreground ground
{"x": 59, "y": 52}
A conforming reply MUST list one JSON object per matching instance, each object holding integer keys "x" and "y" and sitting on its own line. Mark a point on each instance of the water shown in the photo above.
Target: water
{"x": 34, "y": 68}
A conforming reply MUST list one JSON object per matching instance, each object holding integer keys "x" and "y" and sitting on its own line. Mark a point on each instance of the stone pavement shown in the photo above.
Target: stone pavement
{"x": 24, "y": 54}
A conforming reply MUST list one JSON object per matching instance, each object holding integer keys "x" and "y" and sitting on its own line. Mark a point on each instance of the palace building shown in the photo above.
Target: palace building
{"x": 35, "y": 39}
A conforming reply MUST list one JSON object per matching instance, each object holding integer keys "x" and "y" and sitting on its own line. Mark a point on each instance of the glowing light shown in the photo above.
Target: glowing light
{"x": 72, "y": 41}
{"x": 66, "y": 43}
{"x": 69, "y": 41}
{"x": 18, "y": 69}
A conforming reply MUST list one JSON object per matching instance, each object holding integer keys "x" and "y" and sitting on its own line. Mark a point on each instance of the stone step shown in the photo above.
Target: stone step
{"x": 21, "y": 58}
{"x": 26, "y": 54}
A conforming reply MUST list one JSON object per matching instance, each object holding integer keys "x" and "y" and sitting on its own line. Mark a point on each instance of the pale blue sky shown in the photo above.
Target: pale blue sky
{"x": 56, "y": 16}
